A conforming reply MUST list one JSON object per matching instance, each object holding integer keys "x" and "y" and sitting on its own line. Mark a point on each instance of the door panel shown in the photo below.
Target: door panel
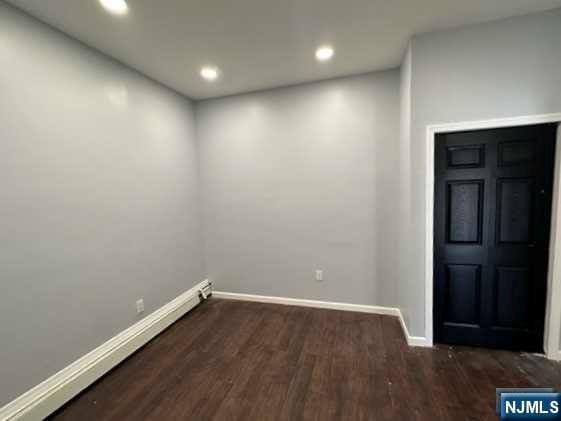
{"x": 513, "y": 297}
{"x": 463, "y": 284}
{"x": 516, "y": 153}
{"x": 465, "y": 200}
{"x": 515, "y": 202}
{"x": 470, "y": 156}
{"x": 492, "y": 216}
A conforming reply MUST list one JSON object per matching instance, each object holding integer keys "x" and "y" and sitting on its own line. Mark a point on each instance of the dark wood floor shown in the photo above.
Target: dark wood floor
{"x": 230, "y": 360}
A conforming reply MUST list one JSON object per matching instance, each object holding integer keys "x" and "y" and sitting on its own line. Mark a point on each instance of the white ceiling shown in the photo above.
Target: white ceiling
{"x": 262, "y": 43}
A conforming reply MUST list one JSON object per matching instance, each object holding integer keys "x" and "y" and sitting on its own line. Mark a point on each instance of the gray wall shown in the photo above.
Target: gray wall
{"x": 404, "y": 271}
{"x": 500, "y": 69}
{"x": 99, "y": 187}
{"x": 301, "y": 178}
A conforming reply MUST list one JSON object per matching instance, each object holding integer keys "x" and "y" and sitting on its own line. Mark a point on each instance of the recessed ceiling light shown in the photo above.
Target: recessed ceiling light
{"x": 209, "y": 73}
{"x": 117, "y": 7}
{"x": 324, "y": 53}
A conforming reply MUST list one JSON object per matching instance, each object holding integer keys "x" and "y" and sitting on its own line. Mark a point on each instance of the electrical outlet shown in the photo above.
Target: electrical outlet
{"x": 319, "y": 275}
{"x": 140, "y": 306}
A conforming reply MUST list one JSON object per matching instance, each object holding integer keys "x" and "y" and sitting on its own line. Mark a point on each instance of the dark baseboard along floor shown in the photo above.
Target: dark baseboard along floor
{"x": 229, "y": 360}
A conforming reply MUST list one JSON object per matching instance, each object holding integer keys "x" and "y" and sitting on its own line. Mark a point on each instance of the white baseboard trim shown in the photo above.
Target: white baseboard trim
{"x": 48, "y": 396}
{"x": 420, "y": 341}
{"x": 307, "y": 303}
{"x": 388, "y": 311}
{"x": 554, "y": 356}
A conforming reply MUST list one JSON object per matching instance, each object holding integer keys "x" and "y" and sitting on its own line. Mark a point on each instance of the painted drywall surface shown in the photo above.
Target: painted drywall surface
{"x": 99, "y": 187}
{"x": 405, "y": 271}
{"x": 299, "y": 179}
{"x": 501, "y": 69}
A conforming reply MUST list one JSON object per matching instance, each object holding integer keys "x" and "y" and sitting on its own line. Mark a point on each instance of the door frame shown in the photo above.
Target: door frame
{"x": 552, "y": 324}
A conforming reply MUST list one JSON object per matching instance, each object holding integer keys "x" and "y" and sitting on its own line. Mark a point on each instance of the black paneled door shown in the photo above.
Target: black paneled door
{"x": 492, "y": 222}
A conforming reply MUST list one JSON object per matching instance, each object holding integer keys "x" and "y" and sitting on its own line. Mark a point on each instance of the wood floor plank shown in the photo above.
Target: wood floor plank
{"x": 229, "y": 360}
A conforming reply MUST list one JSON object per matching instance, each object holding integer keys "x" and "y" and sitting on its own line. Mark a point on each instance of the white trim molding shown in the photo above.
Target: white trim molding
{"x": 553, "y": 305}
{"x": 419, "y": 341}
{"x": 553, "y": 308}
{"x": 361, "y": 308}
{"x": 555, "y": 356}
{"x": 51, "y": 394}
{"x": 307, "y": 303}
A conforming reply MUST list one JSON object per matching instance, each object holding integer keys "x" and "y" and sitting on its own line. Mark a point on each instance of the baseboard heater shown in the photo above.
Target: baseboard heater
{"x": 53, "y": 393}
{"x": 205, "y": 291}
